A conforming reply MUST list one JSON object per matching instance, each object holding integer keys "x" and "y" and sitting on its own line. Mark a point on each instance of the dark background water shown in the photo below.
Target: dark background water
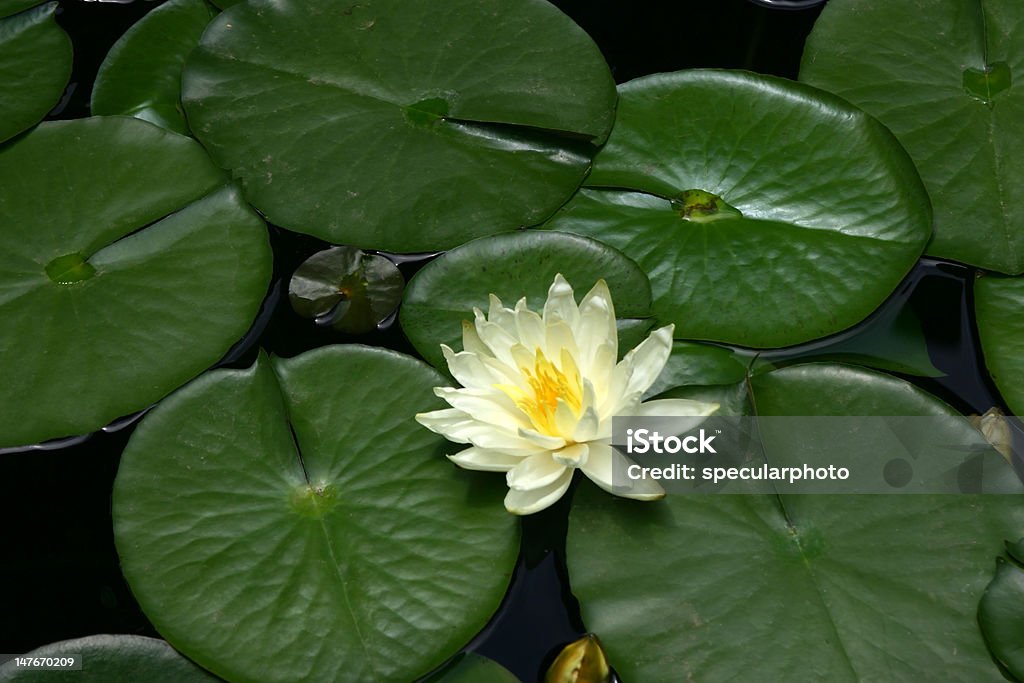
{"x": 60, "y": 577}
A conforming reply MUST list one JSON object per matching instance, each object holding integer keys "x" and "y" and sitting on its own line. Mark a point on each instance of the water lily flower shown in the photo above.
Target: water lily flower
{"x": 539, "y": 392}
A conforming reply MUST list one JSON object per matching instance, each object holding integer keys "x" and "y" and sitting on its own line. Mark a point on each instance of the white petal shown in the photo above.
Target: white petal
{"x": 534, "y": 500}
{"x": 558, "y": 338}
{"x": 588, "y": 426}
{"x": 596, "y": 324}
{"x": 459, "y": 427}
{"x": 469, "y": 369}
{"x": 565, "y": 419}
{"x": 485, "y": 460}
{"x": 496, "y": 337}
{"x": 529, "y": 327}
{"x": 561, "y": 303}
{"x": 534, "y": 472}
{"x": 498, "y": 314}
{"x": 648, "y": 359}
{"x": 544, "y": 441}
{"x": 573, "y": 456}
{"x": 603, "y": 461}
{"x": 677, "y": 407}
{"x": 490, "y": 406}
{"x": 471, "y": 340}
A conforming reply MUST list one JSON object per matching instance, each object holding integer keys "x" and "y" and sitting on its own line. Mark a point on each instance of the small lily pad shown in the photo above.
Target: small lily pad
{"x": 293, "y": 521}
{"x": 766, "y": 213}
{"x": 512, "y": 266}
{"x": 141, "y": 75}
{"x": 999, "y": 305}
{"x": 795, "y": 587}
{"x": 127, "y": 267}
{"x": 347, "y": 289}
{"x": 107, "y": 658}
{"x": 941, "y": 75}
{"x": 35, "y": 64}
{"x": 400, "y": 125}
{"x": 1001, "y": 615}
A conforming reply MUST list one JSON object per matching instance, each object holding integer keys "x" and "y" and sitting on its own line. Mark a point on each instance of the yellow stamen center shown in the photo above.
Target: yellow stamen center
{"x": 548, "y": 384}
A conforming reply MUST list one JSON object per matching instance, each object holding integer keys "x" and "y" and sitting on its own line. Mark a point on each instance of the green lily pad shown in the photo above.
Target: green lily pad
{"x": 9, "y": 7}
{"x": 400, "y": 125}
{"x": 127, "y": 267}
{"x": 293, "y": 521}
{"x": 141, "y": 75}
{"x": 473, "y": 668}
{"x": 731, "y": 187}
{"x": 343, "y": 287}
{"x": 795, "y": 587}
{"x": 35, "y": 64}
{"x": 694, "y": 364}
{"x": 106, "y": 658}
{"x": 1001, "y": 615}
{"x": 999, "y": 304}
{"x": 512, "y": 266}
{"x": 940, "y": 78}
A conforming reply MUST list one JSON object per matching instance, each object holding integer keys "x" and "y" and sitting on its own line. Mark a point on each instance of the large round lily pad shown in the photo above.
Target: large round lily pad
{"x": 141, "y": 75}
{"x": 1001, "y": 611}
{"x": 939, "y": 75}
{"x": 107, "y": 658}
{"x": 794, "y": 587}
{"x": 999, "y": 304}
{"x": 512, "y": 266}
{"x": 127, "y": 267}
{"x": 35, "y": 64}
{"x": 292, "y": 522}
{"x": 729, "y": 188}
{"x": 403, "y": 125}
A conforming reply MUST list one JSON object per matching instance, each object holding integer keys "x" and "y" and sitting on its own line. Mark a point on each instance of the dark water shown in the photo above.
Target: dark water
{"x": 61, "y": 578}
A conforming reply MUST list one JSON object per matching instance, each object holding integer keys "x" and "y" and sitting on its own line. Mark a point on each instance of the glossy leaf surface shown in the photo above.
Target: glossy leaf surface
{"x": 999, "y": 305}
{"x": 141, "y": 75}
{"x": 812, "y": 587}
{"x": 35, "y": 64}
{"x": 1001, "y": 612}
{"x": 512, "y": 266}
{"x": 293, "y": 521}
{"x": 108, "y": 658}
{"x": 401, "y": 125}
{"x": 939, "y": 74}
{"x": 128, "y": 267}
{"x": 765, "y": 213}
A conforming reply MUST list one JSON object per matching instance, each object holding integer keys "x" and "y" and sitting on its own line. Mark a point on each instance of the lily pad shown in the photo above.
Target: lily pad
{"x": 694, "y": 364}
{"x": 141, "y": 75}
{"x": 512, "y": 266}
{"x": 999, "y": 305}
{"x": 1001, "y": 615}
{"x": 35, "y": 64}
{"x": 400, "y": 125}
{"x": 838, "y": 588}
{"x": 127, "y": 267}
{"x": 293, "y": 521}
{"x": 9, "y": 7}
{"x": 731, "y": 187}
{"x": 940, "y": 76}
{"x": 473, "y": 668}
{"x": 106, "y": 658}
{"x": 347, "y": 289}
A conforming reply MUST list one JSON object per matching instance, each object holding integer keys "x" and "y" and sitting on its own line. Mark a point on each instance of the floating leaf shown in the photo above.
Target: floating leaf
{"x": 581, "y": 661}
{"x": 106, "y": 658}
{"x": 939, "y": 76}
{"x": 473, "y": 668}
{"x": 693, "y": 364}
{"x": 1001, "y": 614}
{"x": 141, "y": 75}
{"x": 731, "y": 187}
{"x": 999, "y": 303}
{"x": 512, "y": 266}
{"x": 402, "y": 125}
{"x": 9, "y": 7}
{"x": 35, "y": 64}
{"x": 347, "y": 289}
{"x": 812, "y": 587}
{"x": 298, "y": 507}
{"x": 127, "y": 267}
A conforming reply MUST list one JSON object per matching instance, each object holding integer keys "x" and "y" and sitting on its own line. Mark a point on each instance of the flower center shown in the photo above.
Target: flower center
{"x": 548, "y": 384}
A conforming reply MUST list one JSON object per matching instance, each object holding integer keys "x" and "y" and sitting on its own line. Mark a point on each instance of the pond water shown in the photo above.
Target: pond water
{"x": 61, "y": 578}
